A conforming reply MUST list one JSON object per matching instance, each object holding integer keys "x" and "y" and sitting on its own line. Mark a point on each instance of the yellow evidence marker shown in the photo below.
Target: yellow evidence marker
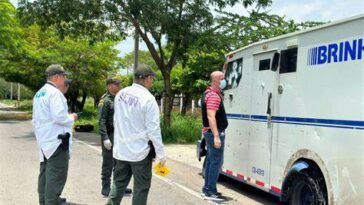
{"x": 161, "y": 171}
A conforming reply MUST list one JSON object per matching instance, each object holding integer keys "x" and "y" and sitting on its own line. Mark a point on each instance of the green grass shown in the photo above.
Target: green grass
{"x": 24, "y": 105}
{"x": 16, "y": 116}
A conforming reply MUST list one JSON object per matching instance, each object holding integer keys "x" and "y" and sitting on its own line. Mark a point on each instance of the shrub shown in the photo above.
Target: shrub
{"x": 183, "y": 129}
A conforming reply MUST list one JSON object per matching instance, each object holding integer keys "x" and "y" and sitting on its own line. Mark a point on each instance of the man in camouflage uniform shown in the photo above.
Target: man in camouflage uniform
{"x": 106, "y": 107}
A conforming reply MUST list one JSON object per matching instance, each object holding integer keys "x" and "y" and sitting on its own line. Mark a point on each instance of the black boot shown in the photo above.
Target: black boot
{"x": 128, "y": 191}
{"x": 105, "y": 191}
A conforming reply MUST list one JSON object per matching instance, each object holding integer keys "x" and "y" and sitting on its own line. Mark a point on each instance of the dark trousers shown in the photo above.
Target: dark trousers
{"x": 53, "y": 177}
{"x": 108, "y": 164}
{"x": 142, "y": 174}
{"x": 214, "y": 162}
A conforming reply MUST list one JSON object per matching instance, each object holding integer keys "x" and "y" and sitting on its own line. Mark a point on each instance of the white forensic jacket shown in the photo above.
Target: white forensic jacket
{"x": 50, "y": 118}
{"x": 136, "y": 121}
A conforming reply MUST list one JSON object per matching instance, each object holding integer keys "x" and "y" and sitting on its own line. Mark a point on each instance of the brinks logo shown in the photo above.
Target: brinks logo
{"x": 336, "y": 52}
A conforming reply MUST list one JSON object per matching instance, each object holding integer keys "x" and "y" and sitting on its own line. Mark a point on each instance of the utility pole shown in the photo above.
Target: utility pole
{"x": 11, "y": 91}
{"x": 136, "y": 49}
{"x": 18, "y": 92}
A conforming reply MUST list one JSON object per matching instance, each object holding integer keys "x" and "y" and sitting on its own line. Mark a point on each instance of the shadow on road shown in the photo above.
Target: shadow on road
{"x": 9, "y": 122}
{"x": 248, "y": 190}
{"x": 71, "y": 203}
{"x": 30, "y": 137}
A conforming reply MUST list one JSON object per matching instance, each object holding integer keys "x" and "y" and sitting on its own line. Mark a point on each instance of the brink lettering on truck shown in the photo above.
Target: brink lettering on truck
{"x": 336, "y": 52}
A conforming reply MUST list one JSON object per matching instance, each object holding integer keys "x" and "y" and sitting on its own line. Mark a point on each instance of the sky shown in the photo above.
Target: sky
{"x": 298, "y": 10}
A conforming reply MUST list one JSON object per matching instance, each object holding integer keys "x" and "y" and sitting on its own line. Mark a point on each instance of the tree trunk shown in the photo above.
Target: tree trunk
{"x": 96, "y": 101}
{"x": 168, "y": 99}
{"x": 72, "y": 99}
{"x": 81, "y": 104}
{"x": 74, "y": 104}
{"x": 186, "y": 102}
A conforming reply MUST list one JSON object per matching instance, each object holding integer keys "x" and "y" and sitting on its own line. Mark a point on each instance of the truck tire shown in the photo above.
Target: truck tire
{"x": 307, "y": 190}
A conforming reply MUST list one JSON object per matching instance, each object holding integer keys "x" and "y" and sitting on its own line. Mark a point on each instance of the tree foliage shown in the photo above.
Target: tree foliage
{"x": 230, "y": 32}
{"x": 89, "y": 64}
{"x": 186, "y": 39}
{"x": 180, "y": 21}
{"x": 10, "y": 31}
{"x": 73, "y": 18}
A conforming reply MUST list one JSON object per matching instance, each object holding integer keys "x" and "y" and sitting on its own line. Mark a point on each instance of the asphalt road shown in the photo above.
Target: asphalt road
{"x": 19, "y": 168}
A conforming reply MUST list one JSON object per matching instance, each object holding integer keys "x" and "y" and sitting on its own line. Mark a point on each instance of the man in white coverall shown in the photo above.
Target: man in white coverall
{"x": 52, "y": 127}
{"x": 136, "y": 122}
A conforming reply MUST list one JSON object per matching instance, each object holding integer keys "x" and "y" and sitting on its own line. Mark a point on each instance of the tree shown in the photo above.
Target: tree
{"x": 73, "y": 18}
{"x": 89, "y": 64}
{"x": 144, "y": 57}
{"x": 10, "y": 31}
{"x": 230, "y": 32}
{"x": 180, "y": 21}
{"x": 239, "y": 31}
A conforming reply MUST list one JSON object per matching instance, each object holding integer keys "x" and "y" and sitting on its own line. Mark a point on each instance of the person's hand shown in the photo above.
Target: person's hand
{"x": 107, "y": 144}
{"x": 75, "y": 116}
{"x": 217, "y": 142}
{"x": 162, "y": 162}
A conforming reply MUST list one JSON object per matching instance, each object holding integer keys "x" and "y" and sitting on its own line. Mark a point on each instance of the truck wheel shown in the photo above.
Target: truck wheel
{"x": 307, "y": 190}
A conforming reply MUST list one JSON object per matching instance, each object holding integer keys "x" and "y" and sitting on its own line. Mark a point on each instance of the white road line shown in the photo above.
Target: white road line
{"x": 87, "y": 144}
{"x": 168, "y": 181}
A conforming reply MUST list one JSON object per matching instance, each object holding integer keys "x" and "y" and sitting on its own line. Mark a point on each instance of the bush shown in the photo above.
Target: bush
{"x": 89, "y": 116}
{"x": 183, "y": 129}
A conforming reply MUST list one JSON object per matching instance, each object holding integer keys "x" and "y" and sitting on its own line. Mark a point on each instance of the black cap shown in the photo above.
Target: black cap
{"x": 113, "y": 81}
{"x": 143, "y": 71}
{"x": 55, "y": 69}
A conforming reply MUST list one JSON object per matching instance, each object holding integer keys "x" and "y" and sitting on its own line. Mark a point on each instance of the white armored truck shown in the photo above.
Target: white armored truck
{"x": 295, "y": 106}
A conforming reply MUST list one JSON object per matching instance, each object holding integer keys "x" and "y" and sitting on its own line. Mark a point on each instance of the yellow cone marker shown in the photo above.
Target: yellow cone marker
{"x": 161, "y": 171}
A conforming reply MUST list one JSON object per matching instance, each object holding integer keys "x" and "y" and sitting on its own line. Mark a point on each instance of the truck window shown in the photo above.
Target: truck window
{"x": 275, "y": 62}
{"x": 233, "y": 73}
{"x": 288, "y": 62}
{"x": 264, "y": 64}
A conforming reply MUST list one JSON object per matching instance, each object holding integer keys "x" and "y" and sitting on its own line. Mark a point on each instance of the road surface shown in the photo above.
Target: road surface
{"x": 19, "y": 169}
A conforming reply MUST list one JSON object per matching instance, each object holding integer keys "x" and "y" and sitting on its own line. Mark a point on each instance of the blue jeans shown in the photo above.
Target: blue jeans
{"x": 213, "y": 162}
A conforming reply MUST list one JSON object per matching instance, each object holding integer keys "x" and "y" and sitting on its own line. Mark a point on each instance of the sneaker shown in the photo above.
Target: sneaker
{"x": 128, "y": 191}
{"x": 214, "y": 197}
{"x": 203, "y": 194}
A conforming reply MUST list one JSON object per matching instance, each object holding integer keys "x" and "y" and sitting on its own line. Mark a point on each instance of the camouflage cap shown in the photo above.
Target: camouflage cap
{"x": 113, "y": 81}
{"x": 55, "y": 69}
{"x": 143, "y": 71}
